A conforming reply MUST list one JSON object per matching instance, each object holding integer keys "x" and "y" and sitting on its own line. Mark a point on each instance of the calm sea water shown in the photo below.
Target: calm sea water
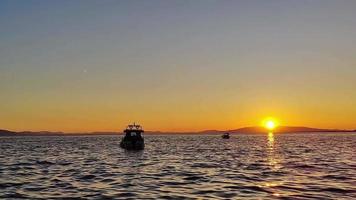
{"x": 295, "y": 166}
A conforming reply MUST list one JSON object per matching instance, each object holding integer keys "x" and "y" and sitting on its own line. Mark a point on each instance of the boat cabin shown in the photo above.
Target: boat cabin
{"x": 134, "y": 130}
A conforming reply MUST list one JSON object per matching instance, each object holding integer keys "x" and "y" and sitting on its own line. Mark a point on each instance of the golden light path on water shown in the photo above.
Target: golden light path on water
{"x": 273, "y": 161}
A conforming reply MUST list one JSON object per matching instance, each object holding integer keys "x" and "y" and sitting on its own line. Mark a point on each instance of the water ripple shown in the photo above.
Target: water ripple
{"x": 290, "y": 166}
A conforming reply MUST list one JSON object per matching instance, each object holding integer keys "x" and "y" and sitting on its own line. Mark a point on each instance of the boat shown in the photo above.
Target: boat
{"x": 226, "y": 136}
{"x": 133, "y": 139}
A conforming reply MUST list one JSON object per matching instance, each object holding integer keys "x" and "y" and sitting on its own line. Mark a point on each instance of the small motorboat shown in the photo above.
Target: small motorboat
{"x": 133, "y": 139}
{"x": 226, "y": 136}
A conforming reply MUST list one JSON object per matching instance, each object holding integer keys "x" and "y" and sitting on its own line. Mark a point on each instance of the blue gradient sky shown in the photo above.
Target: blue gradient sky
{"x": 176, "y": 65}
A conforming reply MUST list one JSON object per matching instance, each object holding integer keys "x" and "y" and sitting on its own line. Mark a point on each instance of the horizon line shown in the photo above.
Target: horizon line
{"x": 170, "y": 131}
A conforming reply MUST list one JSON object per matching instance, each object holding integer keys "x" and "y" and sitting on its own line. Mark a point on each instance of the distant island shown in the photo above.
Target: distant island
{"x": 280, "y": 129}
{"x": 245, "y": 130}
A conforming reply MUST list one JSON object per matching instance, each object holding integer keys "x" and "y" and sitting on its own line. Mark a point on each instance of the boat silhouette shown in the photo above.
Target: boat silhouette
{"x": 133, "y": 139}
{"x": 226, "y": 136}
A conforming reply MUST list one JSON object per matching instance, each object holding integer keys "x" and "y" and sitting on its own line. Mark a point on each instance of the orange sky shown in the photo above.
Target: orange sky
{"x": 177, "y": 66}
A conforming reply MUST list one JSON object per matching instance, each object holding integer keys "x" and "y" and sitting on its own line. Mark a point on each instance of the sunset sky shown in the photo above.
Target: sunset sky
{"x": 176, "y": 65}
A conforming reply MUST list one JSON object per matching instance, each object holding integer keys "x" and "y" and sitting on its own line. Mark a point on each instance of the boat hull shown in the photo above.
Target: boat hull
{"x": 132, "y": 144}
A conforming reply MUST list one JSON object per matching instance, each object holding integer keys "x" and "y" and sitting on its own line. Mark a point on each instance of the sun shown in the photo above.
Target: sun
{"x": 270, "y": 124}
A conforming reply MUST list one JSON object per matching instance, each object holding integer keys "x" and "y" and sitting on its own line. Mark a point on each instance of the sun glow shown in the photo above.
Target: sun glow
{"x": 270, "y": 124}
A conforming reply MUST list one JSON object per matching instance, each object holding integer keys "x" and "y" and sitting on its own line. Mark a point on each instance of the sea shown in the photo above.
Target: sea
{"x": 261, "y": 166}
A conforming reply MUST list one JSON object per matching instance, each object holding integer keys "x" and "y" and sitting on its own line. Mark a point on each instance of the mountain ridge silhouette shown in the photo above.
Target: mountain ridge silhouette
{"x": 243, "y": 130}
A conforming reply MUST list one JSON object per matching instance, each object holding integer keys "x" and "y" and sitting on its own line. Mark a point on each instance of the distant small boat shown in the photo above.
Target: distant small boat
{"x": 133, "y": 139}
{"x": 226, "y": 136}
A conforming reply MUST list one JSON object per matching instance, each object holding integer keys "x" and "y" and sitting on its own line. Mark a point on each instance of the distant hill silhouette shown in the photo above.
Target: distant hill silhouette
{"x": 7, "y": 133}
{"x": 280, "y": 129}
{"x": 48, "y": 133}
{"x": 245, "y": 130}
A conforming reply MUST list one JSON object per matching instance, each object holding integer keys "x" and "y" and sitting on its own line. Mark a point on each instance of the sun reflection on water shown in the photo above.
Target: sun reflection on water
{"x": 272, "y": 156}
{"x": 270, "y": 140}
{"x": 273, "y": 160}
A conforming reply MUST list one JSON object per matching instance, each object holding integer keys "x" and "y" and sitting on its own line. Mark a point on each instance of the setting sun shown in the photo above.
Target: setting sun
{"x": 270, "y": 123}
